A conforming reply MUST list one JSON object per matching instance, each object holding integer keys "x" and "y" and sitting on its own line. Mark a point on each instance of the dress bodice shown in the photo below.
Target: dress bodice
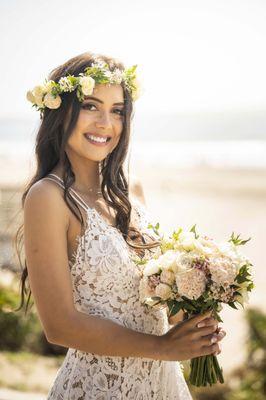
{"x": 105, "y": 282}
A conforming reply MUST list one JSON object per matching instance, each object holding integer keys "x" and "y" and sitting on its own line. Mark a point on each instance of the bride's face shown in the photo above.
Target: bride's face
{"x": 101, "y": 117}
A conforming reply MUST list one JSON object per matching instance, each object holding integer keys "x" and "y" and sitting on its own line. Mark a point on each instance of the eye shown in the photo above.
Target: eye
{"x": 119, "y": 111}
{"x": 87, "y": 106}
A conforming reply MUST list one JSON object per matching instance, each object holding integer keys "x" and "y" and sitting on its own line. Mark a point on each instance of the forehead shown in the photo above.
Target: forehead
{"x": 108, "y": 92}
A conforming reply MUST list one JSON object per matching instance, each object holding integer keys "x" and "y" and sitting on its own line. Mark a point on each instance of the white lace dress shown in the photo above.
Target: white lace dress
{"x": 105, "y": 283}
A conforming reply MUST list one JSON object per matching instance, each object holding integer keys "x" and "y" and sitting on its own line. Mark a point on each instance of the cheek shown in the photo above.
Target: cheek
{"x": 83, "y": 120}
{"x": 119, "y": 127}
{"x": 73, "y": 141}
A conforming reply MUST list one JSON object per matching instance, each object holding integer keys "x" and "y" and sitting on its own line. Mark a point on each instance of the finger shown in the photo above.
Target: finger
{"x": 206, "y": 350}
{"x": 221, "y": 334}
{"x": 193, "y": 321}
{"x": 217, "y": 351}
{"x": 200, "y": 332}
{"x": 219, "y": 337}
{"x": 208, "y": 340}
{"x": 208, "y": 322}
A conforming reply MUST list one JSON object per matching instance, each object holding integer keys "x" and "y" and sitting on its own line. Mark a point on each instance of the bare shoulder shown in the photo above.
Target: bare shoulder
{"x": 136, "y": 189}
{"x": 46, "y": 197}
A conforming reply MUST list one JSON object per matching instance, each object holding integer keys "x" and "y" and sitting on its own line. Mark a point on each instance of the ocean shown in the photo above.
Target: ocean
{"x": 182, "y": 149}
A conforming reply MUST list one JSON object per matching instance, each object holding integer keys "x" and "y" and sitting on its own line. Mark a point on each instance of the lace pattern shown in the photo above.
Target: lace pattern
{"x": 103, "y": 256}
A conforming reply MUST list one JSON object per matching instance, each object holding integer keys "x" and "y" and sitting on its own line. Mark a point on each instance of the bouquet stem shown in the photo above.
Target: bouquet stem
{"x": 205, "y": 370}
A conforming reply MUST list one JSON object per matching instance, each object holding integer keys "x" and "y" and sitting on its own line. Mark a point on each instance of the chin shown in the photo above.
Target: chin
{"x": 95, "y": 158}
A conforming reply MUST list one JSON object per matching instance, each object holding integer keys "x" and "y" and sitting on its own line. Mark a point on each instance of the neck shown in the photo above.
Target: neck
{"x": 86, "y": 175}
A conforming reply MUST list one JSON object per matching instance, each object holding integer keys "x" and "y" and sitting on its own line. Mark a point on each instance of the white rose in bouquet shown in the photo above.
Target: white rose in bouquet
{"x": 152, "y": 267}
{"x": 167, "y": 260}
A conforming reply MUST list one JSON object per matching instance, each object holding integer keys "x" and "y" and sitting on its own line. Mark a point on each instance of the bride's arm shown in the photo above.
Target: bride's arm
{"x": 46, "y": 221}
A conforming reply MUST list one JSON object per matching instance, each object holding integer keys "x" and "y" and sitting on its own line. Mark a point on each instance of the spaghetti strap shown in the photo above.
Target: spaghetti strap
{"x": 74, "y": 194}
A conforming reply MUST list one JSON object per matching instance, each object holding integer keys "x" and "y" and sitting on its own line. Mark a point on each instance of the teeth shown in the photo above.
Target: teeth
{"x": 97, "y": 139}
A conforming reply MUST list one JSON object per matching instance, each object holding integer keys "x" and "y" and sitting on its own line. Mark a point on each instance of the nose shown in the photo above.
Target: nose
{"x": 103, "y": 121}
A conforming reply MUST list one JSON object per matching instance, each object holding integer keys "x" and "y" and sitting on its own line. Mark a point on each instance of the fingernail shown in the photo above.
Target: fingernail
{"x": 221, "y": 334}
{"x": 213, "y": 339}
{"x": 200, "y": 324}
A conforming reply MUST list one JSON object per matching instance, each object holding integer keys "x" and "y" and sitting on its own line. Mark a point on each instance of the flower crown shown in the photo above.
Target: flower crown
{"x": 48, "y": 94}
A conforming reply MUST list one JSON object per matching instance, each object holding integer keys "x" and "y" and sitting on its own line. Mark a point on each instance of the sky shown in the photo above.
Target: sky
{"x": 192, "y": 56}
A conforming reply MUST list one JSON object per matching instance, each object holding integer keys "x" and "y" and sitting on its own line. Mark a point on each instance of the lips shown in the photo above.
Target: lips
{"x": 96, "y": 143}
{"x": 97, "y": 135}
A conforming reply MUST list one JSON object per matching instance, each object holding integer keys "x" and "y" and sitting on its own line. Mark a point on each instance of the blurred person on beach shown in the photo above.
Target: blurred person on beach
{"x": 83, "y": 220}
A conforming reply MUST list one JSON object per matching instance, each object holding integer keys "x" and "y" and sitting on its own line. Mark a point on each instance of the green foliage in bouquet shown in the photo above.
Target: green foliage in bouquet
{"x": 196, "y": 274}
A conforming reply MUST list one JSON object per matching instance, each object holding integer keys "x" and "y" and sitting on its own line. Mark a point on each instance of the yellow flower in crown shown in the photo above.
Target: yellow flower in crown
{"x": 48, "y": 94}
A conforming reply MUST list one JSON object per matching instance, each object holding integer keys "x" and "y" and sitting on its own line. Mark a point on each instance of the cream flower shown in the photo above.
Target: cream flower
{"x": 87, "y": 84}
{"x": 167, "y": 277}
{"x": 30, "y": 97}
{"x": 52, "y": 102}
{"x": 38, "y": 93}
{"x": 163, "y": 291}
{"x": 152, "y": 267}
{"x": 223, "y": 271}
{"x": 186, "y": 241}
{"x": 168, "y": 260}
{"x": 191, "y": 284}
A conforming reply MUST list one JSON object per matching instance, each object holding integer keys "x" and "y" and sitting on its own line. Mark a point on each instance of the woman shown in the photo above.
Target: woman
{"x": 84, "y": 222}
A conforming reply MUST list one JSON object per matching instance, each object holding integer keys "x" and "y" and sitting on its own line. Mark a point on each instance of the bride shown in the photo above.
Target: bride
{"x": 84, "y": 220}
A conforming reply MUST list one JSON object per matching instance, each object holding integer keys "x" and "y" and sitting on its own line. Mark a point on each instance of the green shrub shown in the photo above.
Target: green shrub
{"x": 21, "y": 332}
{"x": 251, "y": 380}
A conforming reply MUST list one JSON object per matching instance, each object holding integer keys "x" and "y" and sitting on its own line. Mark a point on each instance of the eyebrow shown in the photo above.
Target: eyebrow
{"x": 100, "y": 101}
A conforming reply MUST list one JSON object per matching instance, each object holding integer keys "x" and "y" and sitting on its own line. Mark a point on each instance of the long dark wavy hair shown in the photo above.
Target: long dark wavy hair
{"x": 50, "y": 146}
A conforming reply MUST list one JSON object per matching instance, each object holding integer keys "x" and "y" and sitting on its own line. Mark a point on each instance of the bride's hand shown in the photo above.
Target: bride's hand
{"x": 220, "y": 333}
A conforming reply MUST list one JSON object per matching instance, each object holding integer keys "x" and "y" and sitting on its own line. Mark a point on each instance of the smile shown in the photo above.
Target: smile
{"x": 97, "y": 140}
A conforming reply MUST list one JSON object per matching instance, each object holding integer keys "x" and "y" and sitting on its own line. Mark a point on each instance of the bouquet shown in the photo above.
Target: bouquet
{"x": 196, "y": 274}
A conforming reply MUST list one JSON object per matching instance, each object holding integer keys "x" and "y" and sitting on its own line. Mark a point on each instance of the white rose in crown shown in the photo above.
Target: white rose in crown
{"x": 52, "y": 102}
{"x": 87, "y": 85}
{"x": 30, "y": 97}
{"x": 38, "y": 93}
